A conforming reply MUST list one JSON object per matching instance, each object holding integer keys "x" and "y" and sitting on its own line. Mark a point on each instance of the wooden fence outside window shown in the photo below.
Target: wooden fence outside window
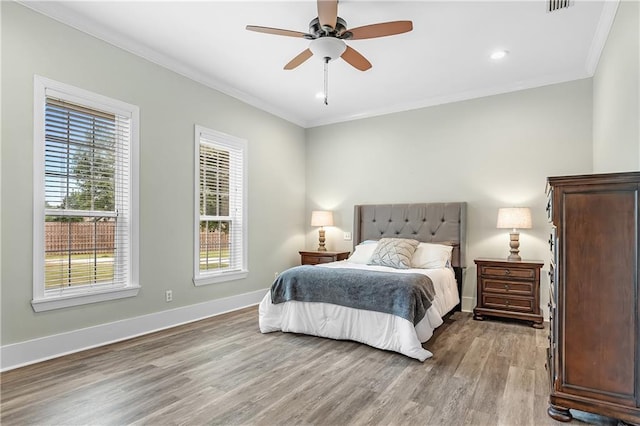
{"x": 99, "y": 237}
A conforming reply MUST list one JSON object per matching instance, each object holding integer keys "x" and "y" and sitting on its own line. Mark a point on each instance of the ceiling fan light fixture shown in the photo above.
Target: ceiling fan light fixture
{"x": 327, "y": 47}
{"x": 499, "y": 54}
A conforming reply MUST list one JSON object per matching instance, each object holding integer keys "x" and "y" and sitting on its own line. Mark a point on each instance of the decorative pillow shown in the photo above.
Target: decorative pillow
{"x": 363, "y": 252}
{"x": 394, "y": 252}
{"x": 431, "y": 256}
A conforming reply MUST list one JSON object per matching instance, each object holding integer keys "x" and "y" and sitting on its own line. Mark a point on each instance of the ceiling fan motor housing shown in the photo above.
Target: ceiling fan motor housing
{"x": 316, "y": 30}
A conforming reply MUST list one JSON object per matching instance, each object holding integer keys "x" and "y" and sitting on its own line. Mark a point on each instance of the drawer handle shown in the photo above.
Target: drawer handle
{"x": 506, "y": 303}
{"x": 506, "y": 286}
{"x": 507, "y": 272}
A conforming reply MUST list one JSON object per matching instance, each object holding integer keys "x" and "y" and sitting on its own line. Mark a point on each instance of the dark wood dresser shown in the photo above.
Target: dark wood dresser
{"x": 509, "y": 289}
{"x": 315, "y": 257}
{"x": 594, "y": 353}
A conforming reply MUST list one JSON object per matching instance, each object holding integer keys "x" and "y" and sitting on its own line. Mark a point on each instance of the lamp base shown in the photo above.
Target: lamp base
{"x": 514, "y": 243}
{"x": 514, "y": 258}
{"x": 321, "y": 239}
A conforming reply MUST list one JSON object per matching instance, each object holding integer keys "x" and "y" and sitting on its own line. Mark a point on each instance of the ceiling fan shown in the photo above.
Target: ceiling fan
{"x": 328, "y": 33}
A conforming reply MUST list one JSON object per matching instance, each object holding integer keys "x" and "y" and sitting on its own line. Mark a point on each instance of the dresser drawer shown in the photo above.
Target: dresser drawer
{"x": 522, "y": 288}
{"x": 499, "y": 271}
{"x": 517, "y": 304}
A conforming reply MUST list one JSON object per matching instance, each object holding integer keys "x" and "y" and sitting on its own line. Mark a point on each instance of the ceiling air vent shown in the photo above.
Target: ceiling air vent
{"x": 558, "y": 4}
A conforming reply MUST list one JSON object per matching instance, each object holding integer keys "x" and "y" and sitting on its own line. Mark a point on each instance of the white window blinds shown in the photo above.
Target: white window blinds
{"x": 86, "y": 196}
{"x": 220, "y": 194}
{"x": 85, "y": 234}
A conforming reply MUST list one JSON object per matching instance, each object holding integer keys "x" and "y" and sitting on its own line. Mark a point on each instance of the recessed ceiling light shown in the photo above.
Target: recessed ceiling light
{"x": 499, "y": 54}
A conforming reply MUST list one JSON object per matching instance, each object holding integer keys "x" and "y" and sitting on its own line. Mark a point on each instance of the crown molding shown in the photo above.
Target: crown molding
{"x": 95, "y": 29}
{"x": 600, "y": 37}
{"x": 456, "y": 97}
{"x": 68, "y": 17}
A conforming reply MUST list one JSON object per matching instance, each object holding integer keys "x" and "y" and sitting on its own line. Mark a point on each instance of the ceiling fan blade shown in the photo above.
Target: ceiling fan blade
{"x": 328, "y": 12}
{"x": 275, "y": 31}
{"x": 381, "y": 30}
{"x": 298, "y": 60}
{"x": 355, "y": 59}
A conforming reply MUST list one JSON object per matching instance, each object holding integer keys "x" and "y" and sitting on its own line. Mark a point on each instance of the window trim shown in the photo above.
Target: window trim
{"x": 214, "y": 277}
{"x": 82, "y": 295}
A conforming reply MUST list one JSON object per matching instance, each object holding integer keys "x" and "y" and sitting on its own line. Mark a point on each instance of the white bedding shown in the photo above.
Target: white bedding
{"x": 377, "y": 329}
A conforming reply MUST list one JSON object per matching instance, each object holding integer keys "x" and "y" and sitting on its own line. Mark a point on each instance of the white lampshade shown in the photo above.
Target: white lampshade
{"x": 321, "y": 218}
{"x": 514, "y": 217}
{"x": 327, "y": 47}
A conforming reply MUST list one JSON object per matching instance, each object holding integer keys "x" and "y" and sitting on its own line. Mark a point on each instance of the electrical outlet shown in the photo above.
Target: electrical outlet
{"x": 168, "y": 295}
{"x": 347, "y": 236}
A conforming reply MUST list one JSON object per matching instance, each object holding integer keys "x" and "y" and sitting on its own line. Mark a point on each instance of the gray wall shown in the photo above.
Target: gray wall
{"x": 498, "y": 152}
{"x": 490, "y": 152}
{"x": 616, "y": 94}
{"x": 170, "y": 105}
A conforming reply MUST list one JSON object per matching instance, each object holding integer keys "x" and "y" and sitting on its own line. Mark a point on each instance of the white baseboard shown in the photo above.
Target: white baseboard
{"x": 468, "y": 303}
{"x": 44, "y": 348}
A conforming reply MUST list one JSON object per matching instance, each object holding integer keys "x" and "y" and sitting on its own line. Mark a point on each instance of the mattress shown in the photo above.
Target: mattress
{"x": 376, "y": 329}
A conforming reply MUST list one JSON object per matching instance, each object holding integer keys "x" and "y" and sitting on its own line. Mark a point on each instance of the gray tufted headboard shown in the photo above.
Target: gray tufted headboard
{"x": 427, "y": 222}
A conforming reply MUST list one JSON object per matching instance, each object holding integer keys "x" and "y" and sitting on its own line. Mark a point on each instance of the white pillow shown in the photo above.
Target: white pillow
{"x": 431, "y": 256}
{"x": 363, "y": 252}
{"x": 394, "y": 252}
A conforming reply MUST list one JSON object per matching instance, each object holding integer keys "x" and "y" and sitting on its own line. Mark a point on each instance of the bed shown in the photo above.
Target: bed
{"x": 433, "y": 225}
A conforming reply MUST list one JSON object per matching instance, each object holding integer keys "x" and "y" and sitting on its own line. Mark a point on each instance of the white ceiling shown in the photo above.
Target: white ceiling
{"x": 444, "y": 59}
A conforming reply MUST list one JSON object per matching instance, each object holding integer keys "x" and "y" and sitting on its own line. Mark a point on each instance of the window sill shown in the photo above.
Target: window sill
{"x": 220, "y": 278}
{"x": 58, "y": 302}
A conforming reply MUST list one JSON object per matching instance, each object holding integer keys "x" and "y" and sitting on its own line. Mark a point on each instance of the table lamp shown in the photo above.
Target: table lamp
{"x": 321, "y": 218}
{"x": 514, "y": 218}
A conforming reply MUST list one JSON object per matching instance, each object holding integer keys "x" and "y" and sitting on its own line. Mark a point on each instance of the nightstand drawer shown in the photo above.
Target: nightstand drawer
{"x": 522, "y": 288}
{"x": 316, "y": 257}
{"x": 518, "y": 304}
{"x": 498, "y": 271}
{"x": 313, "y": 260}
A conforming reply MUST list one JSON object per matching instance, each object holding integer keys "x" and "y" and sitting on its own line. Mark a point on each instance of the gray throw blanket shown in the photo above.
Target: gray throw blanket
{"x": 405, "y": 295}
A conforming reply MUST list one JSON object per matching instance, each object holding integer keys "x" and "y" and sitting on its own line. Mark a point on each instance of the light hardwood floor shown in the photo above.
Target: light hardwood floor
{"x": 224, "y": 371}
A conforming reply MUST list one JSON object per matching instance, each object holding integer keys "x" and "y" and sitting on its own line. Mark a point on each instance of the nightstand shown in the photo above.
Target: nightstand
{"x": 509, "y": 289}
{"x": 315, "y": 257}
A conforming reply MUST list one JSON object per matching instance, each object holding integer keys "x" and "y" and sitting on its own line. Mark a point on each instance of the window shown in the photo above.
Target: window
{"x": 220, "y": 249}
{"x": 85, "y": 197}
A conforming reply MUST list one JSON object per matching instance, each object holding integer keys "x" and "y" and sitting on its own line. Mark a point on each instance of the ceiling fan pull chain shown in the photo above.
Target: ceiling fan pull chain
{"x": 326, "y": 81}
